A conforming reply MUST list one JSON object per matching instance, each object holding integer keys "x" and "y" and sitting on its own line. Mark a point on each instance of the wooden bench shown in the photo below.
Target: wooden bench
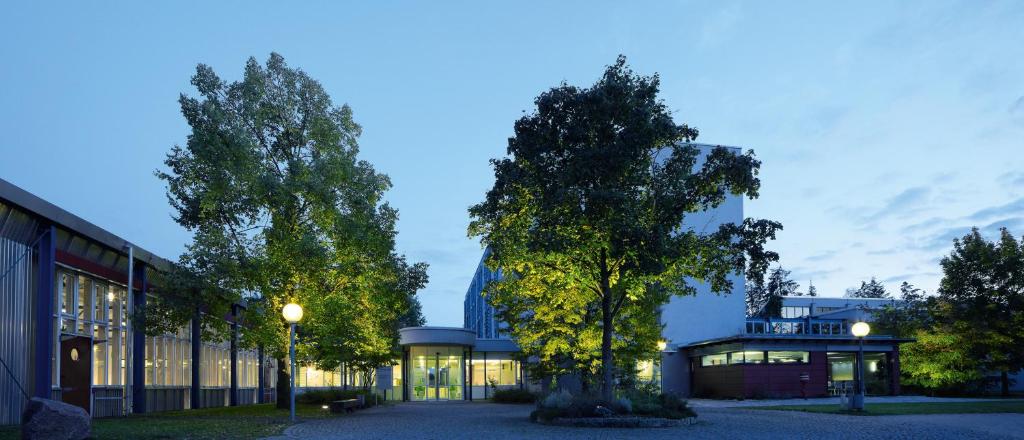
{"x": 347, "y": 405}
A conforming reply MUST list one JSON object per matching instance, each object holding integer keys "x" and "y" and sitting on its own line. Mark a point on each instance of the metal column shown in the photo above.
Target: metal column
{"x": 46, "y": 258}
{"x": 138, "y": 336}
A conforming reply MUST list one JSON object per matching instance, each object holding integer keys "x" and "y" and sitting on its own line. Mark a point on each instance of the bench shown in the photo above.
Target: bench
{"x": 346, "y": 405}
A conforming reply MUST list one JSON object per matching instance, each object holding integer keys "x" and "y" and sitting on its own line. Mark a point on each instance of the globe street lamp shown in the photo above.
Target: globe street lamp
{"x": 859, "y": 330}
{"x": 292, "y": 314}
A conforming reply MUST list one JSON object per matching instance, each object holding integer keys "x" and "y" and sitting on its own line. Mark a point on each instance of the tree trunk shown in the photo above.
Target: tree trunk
{"x": 607, "y": 363}
{"x": 283, "y": 384}
{"x": 1004, "y": 377}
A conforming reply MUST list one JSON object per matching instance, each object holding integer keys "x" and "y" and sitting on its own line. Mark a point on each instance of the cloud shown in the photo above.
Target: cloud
{"x": 904, "y": 277}
{"x": 800, "y": 274}
{"x": 944, "y": 239}
{"x": 924, "y": 225}
{"x": 822, "y": 256}
{"x": 943, "y": 177}
{"x": 901, "y": 203}
{"x": 1012, "y": 179}
{"x": 1012, "y": 208}
{"x": 888, "y": 251}
{"x": 1018, "y": 106}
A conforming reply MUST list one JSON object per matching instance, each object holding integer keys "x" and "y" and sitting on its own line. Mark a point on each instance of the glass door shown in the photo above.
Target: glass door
{"x": 435, "y": 373}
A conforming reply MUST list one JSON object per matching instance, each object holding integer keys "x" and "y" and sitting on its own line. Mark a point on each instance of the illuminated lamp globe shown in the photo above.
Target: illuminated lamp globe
{"x": 662, "y": 345}
{"x": 292, "y": 313}
{"x": 860, "y": 329}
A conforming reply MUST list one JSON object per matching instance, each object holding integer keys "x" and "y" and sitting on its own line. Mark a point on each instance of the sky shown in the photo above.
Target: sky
{"x": 885, "y": 129}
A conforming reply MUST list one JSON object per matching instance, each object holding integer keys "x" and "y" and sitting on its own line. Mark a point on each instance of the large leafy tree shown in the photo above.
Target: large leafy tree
{"x": 283, "y": 210}
{"x": 982, "y": 291}
{"x": 586, "y": 217}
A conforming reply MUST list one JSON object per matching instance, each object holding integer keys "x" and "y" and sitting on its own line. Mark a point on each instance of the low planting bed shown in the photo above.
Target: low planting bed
{"x": 635, "y": 409}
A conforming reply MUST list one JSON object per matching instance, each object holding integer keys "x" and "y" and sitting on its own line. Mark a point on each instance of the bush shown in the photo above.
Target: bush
{"x": 514, "y": 395}
{"x": 559, "y": 400}
{"x": 324, "y": 397}
{"x": 643, "y": 403}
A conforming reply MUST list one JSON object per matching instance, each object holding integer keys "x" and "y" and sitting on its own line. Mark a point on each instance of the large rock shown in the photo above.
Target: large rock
{"x": 46, "y": 419}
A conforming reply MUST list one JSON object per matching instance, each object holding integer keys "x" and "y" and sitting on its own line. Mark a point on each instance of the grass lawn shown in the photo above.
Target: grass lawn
{"x": 240, "y": 422}
{"x": 888, "y": 409}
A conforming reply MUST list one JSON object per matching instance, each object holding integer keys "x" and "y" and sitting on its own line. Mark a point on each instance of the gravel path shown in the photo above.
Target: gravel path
{"x": 448, "y": 421}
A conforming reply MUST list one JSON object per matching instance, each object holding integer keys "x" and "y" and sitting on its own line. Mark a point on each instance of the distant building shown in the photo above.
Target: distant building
{"x": 479, "y": 313}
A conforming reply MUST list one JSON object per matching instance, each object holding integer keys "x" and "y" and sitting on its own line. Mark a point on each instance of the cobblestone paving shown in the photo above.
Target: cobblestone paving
{"x": 448, "y": 421}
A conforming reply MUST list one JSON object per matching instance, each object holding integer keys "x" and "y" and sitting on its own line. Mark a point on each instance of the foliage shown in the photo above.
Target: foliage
{"x": 872, "y": 289}
{"x": 586, "y": 215}
{"x": 513, "y": 395}
{"x": 558, "y": 399}
{"x": 636, "y": 402}
{"x": 938, "y": 360}
{"x": 282, "y": 210}
{"x": 982, "y": 299}
{"x": 905, "y": 318}
{"x": 764, "y": 300}
{"x": 811, "y": 290}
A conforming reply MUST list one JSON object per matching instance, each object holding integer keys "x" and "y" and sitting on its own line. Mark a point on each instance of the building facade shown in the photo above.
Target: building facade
{"x": 68, "y": 292}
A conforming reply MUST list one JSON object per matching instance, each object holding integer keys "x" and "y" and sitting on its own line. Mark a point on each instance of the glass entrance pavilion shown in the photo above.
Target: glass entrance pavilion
{"x": 450, "y": 363}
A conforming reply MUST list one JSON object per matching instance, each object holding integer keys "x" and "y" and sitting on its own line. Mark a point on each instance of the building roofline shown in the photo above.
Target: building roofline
{"x": 778, "y": 337}
{"x": 38, "y": 207}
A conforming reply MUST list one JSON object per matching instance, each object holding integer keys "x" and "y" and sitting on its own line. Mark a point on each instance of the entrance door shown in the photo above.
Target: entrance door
{"x": 435, "y": 373}
{"x": 75, "y": 360}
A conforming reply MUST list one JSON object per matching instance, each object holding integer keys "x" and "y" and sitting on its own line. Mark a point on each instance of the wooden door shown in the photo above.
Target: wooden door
{"x": 75, "y": 363}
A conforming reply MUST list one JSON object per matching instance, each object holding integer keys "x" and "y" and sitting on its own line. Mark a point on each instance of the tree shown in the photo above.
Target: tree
{"x": 909, "y": 316}
{"x": 938, "y": 360}
{"x": 282, "y": 210}
{"x": 593, "y": 198}
{"x": 982, "y": 290}
{"x": 872, "y": 289}
{"x": 765, "y": 301}
{"x": 811, "y": 290}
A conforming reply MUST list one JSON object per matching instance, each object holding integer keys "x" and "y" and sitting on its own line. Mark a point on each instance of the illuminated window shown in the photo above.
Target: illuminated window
{"x": 788, "y": 357}
{"x": 713, "y": 360}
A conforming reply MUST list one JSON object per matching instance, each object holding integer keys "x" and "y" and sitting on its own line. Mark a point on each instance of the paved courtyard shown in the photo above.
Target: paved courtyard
{"x": 459, "y": 420}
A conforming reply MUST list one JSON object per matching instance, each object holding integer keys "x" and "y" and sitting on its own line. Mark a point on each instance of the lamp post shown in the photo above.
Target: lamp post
{"x": 292, "y": 314}
{"x": 662, "y": 345}
{"x": 859, "y": 330}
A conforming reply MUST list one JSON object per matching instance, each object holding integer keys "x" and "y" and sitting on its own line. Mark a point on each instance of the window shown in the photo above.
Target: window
{"x": 788, "y": 357}
{"x": 746, "y": 357}
{"x": 713, "y": 359}
{"x": 795, "y": 311}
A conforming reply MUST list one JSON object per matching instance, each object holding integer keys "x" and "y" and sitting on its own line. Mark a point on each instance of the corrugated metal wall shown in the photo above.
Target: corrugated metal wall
{"x": 16, "y": 261}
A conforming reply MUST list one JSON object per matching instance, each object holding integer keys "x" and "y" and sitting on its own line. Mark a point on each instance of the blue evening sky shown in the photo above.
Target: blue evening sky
{"x": 885, "y": 128}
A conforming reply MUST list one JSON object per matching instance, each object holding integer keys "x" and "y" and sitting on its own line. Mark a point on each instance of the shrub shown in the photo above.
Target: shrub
{"x": 514, "y": 395}
{"x": 625, "y": 404}
{"x": 644, "y": 403}
{"x": 559, "y": 400}
{"x": 324, "y": 397}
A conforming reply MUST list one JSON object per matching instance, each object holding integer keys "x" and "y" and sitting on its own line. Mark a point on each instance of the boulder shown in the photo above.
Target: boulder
{"x": 46, "y": 419}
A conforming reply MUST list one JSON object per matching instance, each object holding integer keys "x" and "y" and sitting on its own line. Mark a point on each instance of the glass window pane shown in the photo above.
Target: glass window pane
{"x": 788, "y": 357}
{"x": 713, "y": 359}
{"x": 99, "y": 356}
